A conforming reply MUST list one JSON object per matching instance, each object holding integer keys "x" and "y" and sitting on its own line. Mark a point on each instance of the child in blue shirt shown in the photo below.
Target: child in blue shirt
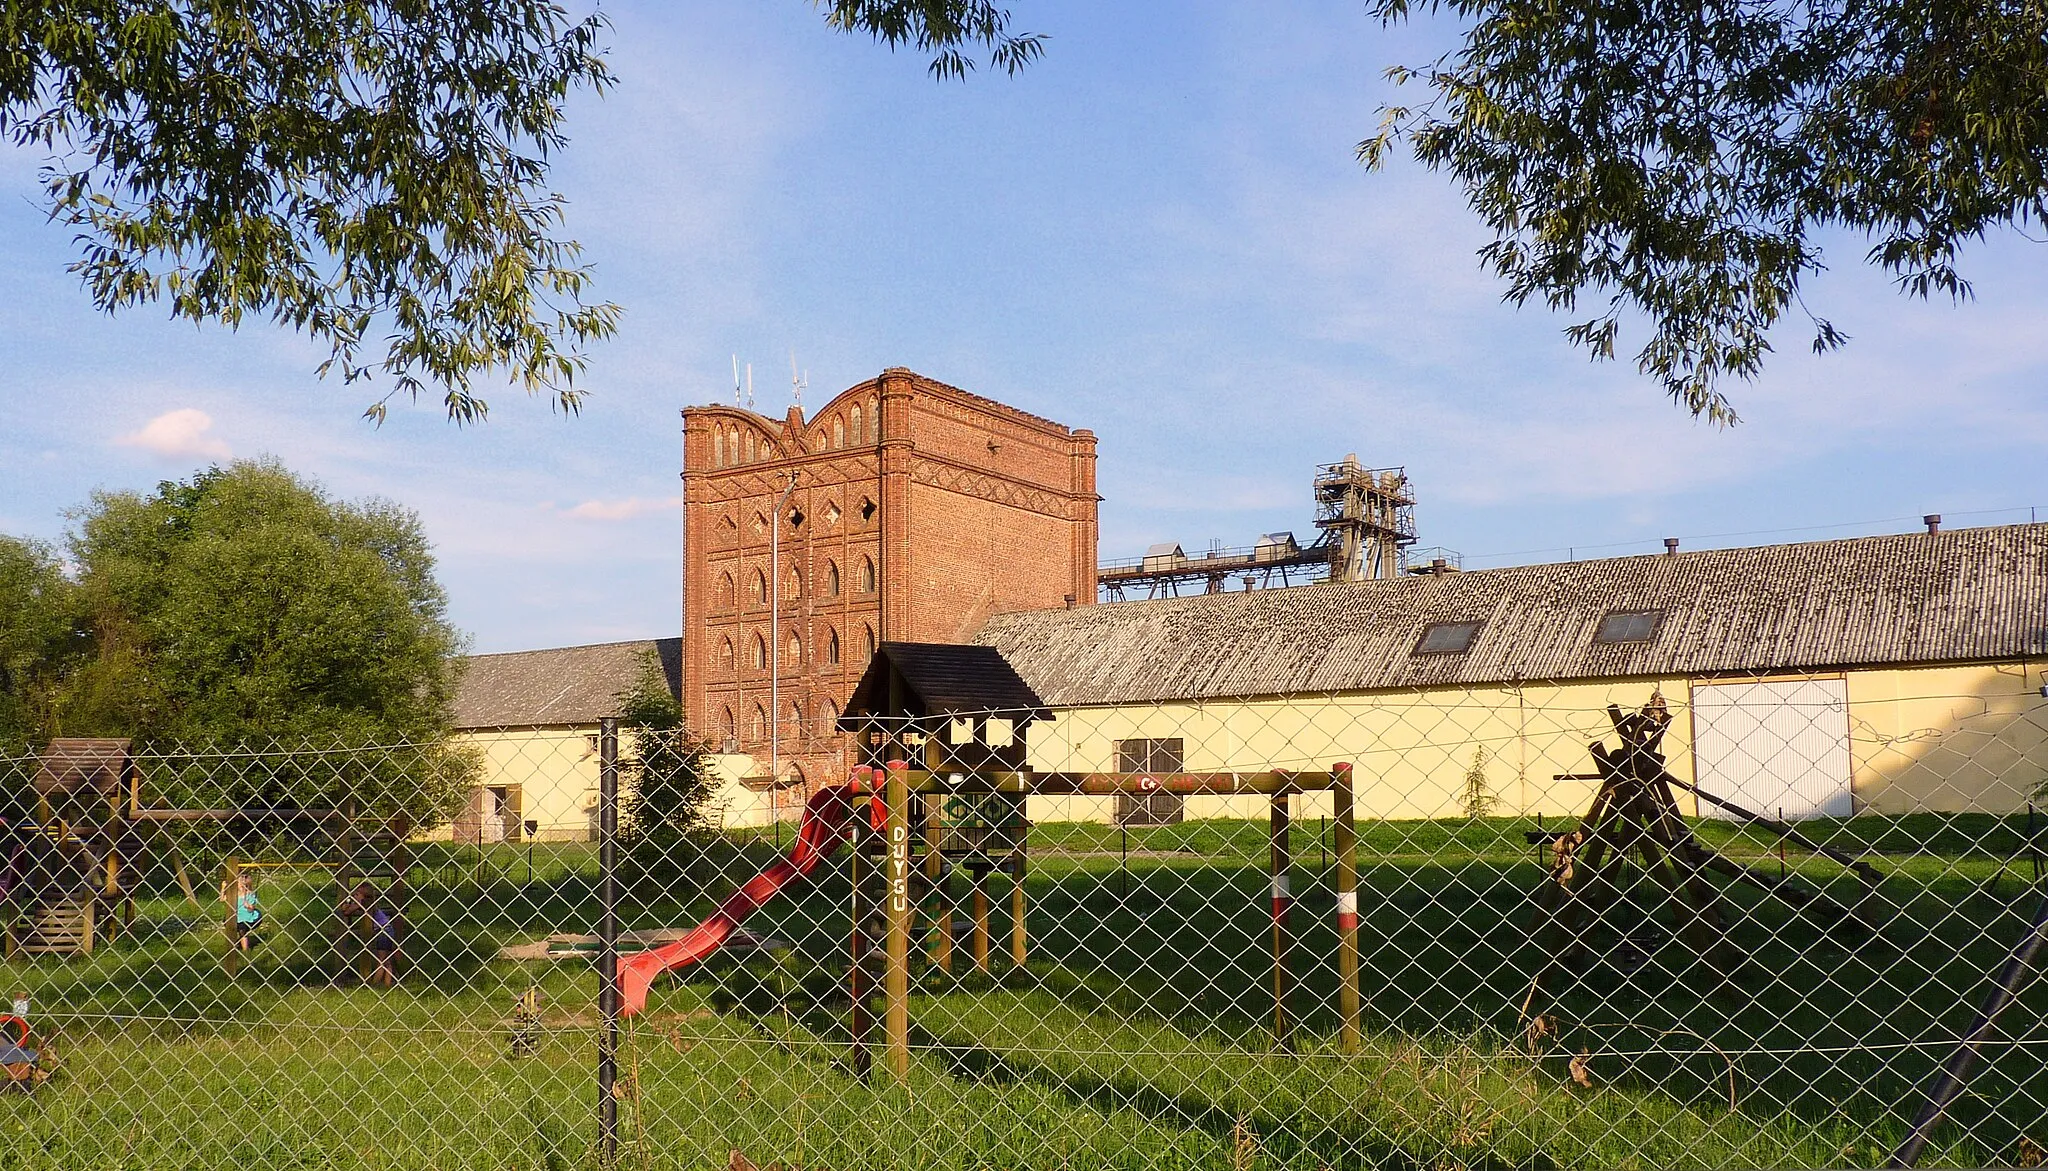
{"x": 248, "y": 912}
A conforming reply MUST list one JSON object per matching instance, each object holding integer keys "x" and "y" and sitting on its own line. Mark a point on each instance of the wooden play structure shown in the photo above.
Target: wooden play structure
{"x": 69, "y": 872}
{"x": 66, "y": 871}
{"x": 941, "y": 790}
{"x": 1635, "y": 820}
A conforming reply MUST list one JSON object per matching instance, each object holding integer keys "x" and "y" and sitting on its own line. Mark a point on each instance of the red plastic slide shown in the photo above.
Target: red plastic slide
{"x": 823, "y": 827}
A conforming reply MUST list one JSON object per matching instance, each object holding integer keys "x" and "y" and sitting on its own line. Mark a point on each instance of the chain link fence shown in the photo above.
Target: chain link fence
{"x": 1782, "y": 922}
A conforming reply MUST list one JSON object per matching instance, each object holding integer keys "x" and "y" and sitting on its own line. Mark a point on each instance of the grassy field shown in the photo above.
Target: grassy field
{"x": 1137, "y": 1036}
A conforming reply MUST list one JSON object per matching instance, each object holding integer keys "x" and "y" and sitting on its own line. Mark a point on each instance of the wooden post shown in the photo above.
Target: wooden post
{"x": 184, "y": 879}
{"x": 978, "y": 878}
{"x": 938, "y": 884}
{"x": 896, "y": 982}
{"x": 1283, "y": 900}
{"x": 1019, "y": 941}
{"x": 857, "y": 1022}
{"x": 230, "y": 889}
{"x": 1351, "y": 1036}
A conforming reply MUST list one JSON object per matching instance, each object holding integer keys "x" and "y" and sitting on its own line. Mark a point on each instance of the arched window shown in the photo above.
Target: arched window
{"x": 794, "y": 587}
{"x": 831, "y": 579}
{"x": 753, "y": 447}
{"x": 868, "y": 641}
{"x": 732, "y": 725}
{"x": 724, "y": 599}
{"x": 760, "y": 653}
{"x": 832, "y": 647}
{"x": 717, "y": 448}
{"x": 793, "y": 650}
{"x": 760, "y": 723}
{"x": 759, "y": 590}
{"x": 856, "y": 423}
{"x": 839, "y": 430}
{"x": 732, "y": 442}
{"x": 796, "y": 721}
{"x": 867, "y": 575}
{"x": 828, "y": 718}
{"x": 725, "y": 656}
{"x": 874, "y": 422}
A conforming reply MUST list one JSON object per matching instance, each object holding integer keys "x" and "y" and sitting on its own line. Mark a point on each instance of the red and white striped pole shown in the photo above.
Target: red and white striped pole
{"x": 1283, "y": 901}
{"x": 1351, "y": 1036}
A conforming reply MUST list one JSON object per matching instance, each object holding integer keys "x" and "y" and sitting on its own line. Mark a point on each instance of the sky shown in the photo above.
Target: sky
{"x": 1159, "y": 232}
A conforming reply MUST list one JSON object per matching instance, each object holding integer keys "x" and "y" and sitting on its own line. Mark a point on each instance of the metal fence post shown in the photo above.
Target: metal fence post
{"x": 1283, "y": 900}
{"x": 608, "y": 941}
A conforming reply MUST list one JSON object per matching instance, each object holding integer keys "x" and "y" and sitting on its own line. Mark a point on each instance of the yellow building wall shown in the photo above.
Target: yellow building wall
{"x": 1949, "y": 739}
{"x": 1935, "y": 738}
{"x": 1412, "y": 751}
{"x": 555, "y": 770}
{"x": 736, "y": 804}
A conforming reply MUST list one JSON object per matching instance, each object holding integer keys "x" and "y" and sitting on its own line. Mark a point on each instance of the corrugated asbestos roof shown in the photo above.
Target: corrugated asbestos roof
{"x": 1961, "y": 595}
{"x": 564, "y": 685}
{"x": 945, "y": 678}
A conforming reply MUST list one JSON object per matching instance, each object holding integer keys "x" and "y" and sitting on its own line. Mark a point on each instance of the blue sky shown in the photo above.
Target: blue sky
{"x": 1158, "y": 232}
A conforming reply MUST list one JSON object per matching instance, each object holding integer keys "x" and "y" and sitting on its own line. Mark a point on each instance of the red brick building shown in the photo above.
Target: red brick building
{"x": 917, "y": 511}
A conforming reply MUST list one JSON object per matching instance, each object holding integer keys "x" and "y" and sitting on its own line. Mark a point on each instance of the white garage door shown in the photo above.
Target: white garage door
{"x": 1774, "y": 746}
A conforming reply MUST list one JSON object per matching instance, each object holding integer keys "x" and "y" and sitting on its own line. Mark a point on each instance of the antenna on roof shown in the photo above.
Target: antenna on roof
{"x": 735, "y": 380}
{"x": 797, "y": 382}
{"x": 750, "y": 386}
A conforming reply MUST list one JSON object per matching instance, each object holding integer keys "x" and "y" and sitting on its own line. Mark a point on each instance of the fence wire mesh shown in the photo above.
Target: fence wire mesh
{"x": 1726, "y": 923}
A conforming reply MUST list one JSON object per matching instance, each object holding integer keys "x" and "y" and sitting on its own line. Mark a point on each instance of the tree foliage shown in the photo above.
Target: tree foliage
{"x": 37, "y": 608}
{"x": 670, "y": 775}
{"x": 342, "y": 167}
{"x": 946, "y": 29}
{"x": 244, "y": 605}
{"x": 263, "y": 643}
{"x": 1679, "y": 158}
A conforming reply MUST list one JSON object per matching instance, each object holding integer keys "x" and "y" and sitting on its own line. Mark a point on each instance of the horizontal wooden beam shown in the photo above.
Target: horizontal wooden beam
{"x": 1080, "y": 784}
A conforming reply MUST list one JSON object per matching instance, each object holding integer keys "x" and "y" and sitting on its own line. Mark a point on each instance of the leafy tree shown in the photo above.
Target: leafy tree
{"x": 1681, "y": 159}
{"x": 343, "y": 167}
{"x": 1678, "y": 158}
{"x": 352, "y": 167}
{"x": 36, "y": 628}
{"x": 246, "y": 609}
{"x": 944, "y": 28}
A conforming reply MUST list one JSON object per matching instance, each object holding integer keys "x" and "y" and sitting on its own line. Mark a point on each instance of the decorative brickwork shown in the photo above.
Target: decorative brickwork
{"x": 918, "y": 511}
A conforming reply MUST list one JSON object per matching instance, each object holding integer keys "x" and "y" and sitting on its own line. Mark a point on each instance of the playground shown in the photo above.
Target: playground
{"x": 863, "y": 994}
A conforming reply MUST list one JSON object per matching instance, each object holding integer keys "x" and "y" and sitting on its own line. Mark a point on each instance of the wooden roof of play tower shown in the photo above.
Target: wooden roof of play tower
{"x": 940, "y": 679}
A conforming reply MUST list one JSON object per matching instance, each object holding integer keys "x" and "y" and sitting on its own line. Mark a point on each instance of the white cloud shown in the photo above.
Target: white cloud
{"x": 183, "y": 432}
{"x": 625, "y": 509}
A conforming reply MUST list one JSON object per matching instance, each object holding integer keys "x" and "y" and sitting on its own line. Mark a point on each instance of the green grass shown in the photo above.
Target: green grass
{"x": 1138, "y": 1037}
